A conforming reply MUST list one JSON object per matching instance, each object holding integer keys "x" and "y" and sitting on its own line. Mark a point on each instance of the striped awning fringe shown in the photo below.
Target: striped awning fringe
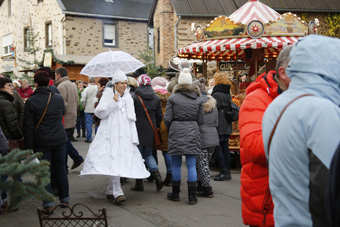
{"x": 223, "y": 45}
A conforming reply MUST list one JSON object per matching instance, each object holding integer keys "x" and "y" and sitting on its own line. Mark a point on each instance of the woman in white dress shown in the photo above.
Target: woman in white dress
{"x": 114, "y": 151}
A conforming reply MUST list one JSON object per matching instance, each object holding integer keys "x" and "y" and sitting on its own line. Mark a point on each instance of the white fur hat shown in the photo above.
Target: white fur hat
{"x": 185, "y": 77}
{"x": 119, "y": 76}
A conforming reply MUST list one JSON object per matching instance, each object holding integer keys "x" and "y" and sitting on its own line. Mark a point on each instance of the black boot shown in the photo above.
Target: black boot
{"x": 205, "y": 192}
{"x": 223, "y": 175}
{"x": 158, "y": 179}
{"x": 139, "y": 186}
{"x": 192, "y": 192}
{"x": 174, "y": 195}
{"x": 167, "y": 179}
{"x": 199, "y": 186}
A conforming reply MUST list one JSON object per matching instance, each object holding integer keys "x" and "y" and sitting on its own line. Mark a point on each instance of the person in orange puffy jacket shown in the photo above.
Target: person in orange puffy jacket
{"x": 257, "y": 204}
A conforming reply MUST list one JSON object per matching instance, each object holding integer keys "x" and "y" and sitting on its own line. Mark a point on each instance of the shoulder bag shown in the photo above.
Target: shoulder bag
{"x": 157, "y": 139}
{"x": 43, "y": 115}
{"x": 278, "y": 119}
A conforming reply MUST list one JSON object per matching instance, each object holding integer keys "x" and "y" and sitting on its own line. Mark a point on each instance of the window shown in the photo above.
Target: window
{"x": 40, "y": 1}
{"x": 26, "y": 38}
{"x": 109, "y": 35}
{"x": 6, "y": 42}
{"x": 9, "y": 4}
{"x": 48, "y": 34}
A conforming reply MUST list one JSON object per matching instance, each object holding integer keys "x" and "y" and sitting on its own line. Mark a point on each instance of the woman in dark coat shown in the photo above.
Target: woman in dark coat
{"x": 49, "y": 136}
{"x": 9, "y": 124}
{"x": 183, "y": 115}
{"x": 221, "y": 92}
{"x": 145, "y": 132}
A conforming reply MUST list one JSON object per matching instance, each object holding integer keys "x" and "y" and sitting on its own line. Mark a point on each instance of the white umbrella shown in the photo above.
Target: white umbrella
{"x": 107, "y": 63}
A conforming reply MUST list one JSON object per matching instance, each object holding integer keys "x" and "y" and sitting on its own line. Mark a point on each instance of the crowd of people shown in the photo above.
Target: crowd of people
{"x": 288, "y": 125}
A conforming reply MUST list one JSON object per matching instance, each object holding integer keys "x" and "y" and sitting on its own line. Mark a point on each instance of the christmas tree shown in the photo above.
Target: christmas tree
{"x": 18, "y": 163}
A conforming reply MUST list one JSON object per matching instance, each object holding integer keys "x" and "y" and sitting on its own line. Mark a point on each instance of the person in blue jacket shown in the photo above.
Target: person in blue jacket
{"x": 307, "y": 134}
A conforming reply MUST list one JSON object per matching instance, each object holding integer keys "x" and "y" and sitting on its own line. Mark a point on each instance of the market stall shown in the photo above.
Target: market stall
{"x": 249, "y": 40}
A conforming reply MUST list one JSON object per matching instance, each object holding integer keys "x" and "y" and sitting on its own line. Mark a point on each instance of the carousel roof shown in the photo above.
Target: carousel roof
{"x": 254, "y": 10}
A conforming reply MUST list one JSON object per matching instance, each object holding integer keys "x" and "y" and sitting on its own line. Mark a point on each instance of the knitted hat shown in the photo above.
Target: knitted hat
{"x": 158, "y": 81}
{"x": 144, "y": 80}
{"x": 119, "y": 76}
{"x": 185, "y": 77}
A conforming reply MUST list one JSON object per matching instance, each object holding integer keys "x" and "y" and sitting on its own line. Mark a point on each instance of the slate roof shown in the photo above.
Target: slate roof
{"x": 120, "y": 9}
{"x": 227, "y": 7}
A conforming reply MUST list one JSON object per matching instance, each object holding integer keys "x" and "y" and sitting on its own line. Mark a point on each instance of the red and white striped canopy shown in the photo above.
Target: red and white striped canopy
{"x": 229, "y": 46}
{"x": 254, "y": 10}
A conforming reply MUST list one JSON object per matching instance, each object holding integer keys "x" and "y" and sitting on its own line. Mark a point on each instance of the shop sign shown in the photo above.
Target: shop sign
{"x": 225, "y": 66}
{"x": 7, "y": 67}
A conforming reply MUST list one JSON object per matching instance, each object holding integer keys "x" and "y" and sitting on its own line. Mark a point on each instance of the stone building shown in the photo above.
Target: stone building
{"x": 172, "y": 19}
{"x": 73, "y": 31}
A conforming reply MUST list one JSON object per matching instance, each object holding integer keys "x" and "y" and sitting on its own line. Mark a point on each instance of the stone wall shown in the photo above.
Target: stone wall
{"x": 164, "y": 21}
{"x": 21, "y": 11}
{"x": 84, "y": 36}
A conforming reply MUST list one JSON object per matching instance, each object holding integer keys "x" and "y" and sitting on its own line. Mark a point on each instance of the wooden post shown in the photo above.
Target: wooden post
{"x": 236, "y": 73}
{"x": 256, "y": 69}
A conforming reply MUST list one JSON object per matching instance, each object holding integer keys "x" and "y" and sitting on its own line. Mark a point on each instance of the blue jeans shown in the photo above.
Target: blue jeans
{"x": 223, "y": 156}
{"x": 168, "y": 162}
{"x": 70, "y": 150}
{"x": 89, "y": 123}
{"x": 191, "y": 165}
{"x": 81, "y": 123}
{"x": 55, "y": 155}
{"x": 150, "y": 161}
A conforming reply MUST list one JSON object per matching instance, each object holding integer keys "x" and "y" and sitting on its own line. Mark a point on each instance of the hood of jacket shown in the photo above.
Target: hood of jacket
{"x": 314, "y": 67}
{"x": 189, "y": 90}
{"x": 224, "y": 88}
{"x": 7, "y": 96}
{"x": 65, "y": 78}
{"x": 265, "y": 82}
{"x": 146, "y": 92}
{"x": 163, "y": 97}
{"x": 209, "y": 103}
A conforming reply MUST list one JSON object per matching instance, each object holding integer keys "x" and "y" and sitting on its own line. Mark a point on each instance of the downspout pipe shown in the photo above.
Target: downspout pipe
{"x": 179, "y": 18}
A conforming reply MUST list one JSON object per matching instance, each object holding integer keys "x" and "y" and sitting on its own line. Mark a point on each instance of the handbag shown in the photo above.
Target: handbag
{"x": 157, "y": 139}
{"x": 231, "y": 112}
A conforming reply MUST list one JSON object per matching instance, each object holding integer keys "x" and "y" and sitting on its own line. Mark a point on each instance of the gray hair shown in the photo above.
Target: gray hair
{"x": 184, "y": 64}
{"x": 283, "y": 58}
{"x": 62, "y": 71}
{"x": 92, "y": 80}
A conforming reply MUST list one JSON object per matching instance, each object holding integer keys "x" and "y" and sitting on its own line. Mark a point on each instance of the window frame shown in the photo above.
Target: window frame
{"x": 9, "y": 8}
{"x": 26, "y": 40}
{"x": 115, "y": 24}
{"x": 8, "y": 47}
{"x": 47, "y": 45}
{"x": 158, "y": 40}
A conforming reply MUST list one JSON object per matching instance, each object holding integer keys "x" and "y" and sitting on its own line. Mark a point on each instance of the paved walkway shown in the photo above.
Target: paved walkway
{"x": 148, "y": 208}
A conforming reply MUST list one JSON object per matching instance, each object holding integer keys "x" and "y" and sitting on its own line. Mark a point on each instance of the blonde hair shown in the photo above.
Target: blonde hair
{"x": 132, "y": 82}
{"x": 221, "y": 78}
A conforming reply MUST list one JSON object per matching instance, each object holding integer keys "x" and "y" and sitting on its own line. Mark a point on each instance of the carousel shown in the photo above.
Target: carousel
{"x": 246, "y": 42}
